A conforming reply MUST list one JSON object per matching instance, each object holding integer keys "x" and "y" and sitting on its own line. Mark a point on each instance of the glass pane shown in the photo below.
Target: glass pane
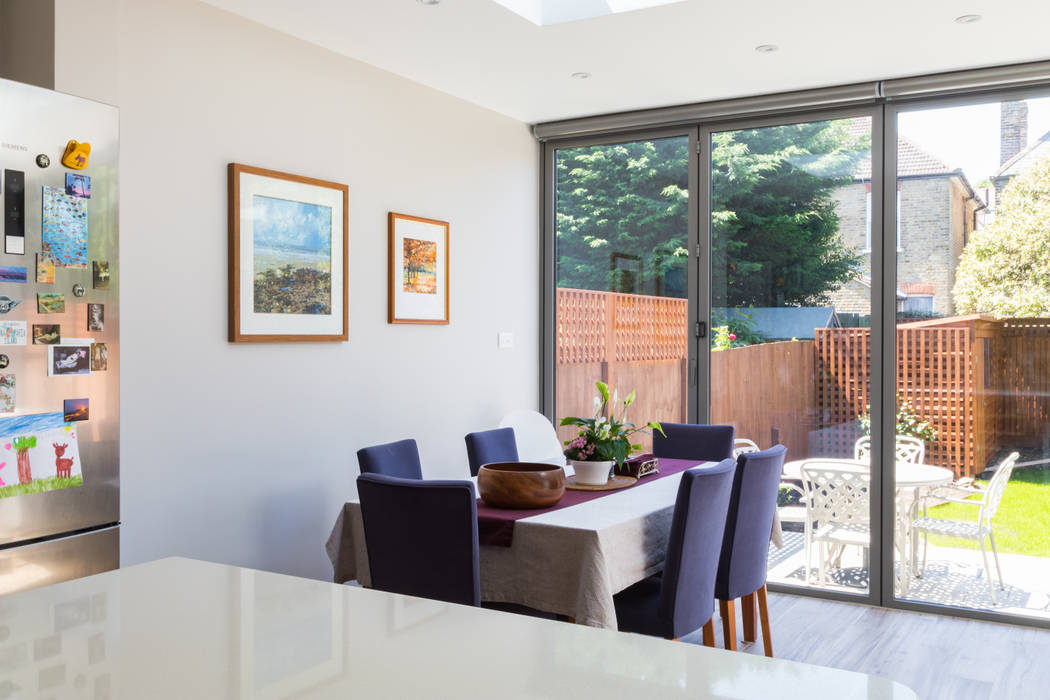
{"x": 790, "y": 341}
{"x": 622, "y": 227}
{"x": 973, "y": 356}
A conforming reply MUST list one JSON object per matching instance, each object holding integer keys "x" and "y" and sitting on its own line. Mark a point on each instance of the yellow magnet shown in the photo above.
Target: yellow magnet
{"x": 76, "y": 155}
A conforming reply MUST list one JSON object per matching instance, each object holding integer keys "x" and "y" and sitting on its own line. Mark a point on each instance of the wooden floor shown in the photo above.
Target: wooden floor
{"x": 936, "y": 656}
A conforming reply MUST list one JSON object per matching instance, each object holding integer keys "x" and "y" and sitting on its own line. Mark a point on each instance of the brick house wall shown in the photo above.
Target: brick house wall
{"x": 935, "y": 219}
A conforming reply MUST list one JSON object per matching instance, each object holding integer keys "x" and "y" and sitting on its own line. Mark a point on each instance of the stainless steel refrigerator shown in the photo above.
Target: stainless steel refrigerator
{"x": 59, "y": 331}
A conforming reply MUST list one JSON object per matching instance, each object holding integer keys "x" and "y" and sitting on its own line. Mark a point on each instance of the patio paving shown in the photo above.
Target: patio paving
{"x": 954, "y": 577}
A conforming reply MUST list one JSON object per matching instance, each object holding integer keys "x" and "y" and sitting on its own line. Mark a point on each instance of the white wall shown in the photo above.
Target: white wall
{"x": 243, "y": 453}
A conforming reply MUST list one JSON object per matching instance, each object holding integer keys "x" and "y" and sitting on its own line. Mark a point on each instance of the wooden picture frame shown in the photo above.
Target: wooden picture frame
{"x": 285, "y": 230}
{"x": 419, "y": 270}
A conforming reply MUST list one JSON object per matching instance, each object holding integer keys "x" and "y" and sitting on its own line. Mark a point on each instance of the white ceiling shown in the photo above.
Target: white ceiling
{"x": 673, "y": 54}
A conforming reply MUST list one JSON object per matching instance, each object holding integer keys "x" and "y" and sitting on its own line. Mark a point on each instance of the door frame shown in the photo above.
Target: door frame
{"x": 876, "y": 571}
{"x": 549, "y": 260}
{"x": 891, "y": 110}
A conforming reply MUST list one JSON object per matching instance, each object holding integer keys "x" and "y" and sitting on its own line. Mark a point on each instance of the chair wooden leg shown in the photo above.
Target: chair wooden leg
{"x": 709, "y": 632}
{"x": 728, "y": 610}
{"x": 763, "y": 613}
{"x": 747, "y": 605}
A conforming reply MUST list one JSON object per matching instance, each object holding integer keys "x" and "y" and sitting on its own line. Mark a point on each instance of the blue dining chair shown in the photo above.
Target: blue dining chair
{"x": 709, "y": 443}
{"x": 421, "y": 537}
{"x": 399, "y": 458}
{"x": 745, "y": 546}
{"x": 682, "y": 599}
{"x": 490, "y": 446}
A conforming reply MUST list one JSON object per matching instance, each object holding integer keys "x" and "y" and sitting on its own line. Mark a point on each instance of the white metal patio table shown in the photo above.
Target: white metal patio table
{"x": 908, "y": 477}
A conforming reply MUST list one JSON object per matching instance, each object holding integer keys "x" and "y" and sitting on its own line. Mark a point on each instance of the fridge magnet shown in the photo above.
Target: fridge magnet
{"x": 67, "y": 359}
{"x": 418, "y": 276}
{"x": 38, "y": 453}
{"x": 78, "y": 290}
{"x": 13, "y": 273}
{"x": 12, "y": 332}
{"x": 99, "y": 357}
{"x": 15, "y": 212}
{"x": 7, "y": 303}
{"x": 4, "y": 361}
{"x": 46, "y": 334}
{"x": 7, "y": 393}
{"x": 75, "y": 410}
{"x": 100, "y": 274}
{"x": 78, "y": 185}
{"x": 43, "y": 160}
{"x": 45, "y": 269}
{"x": 96, "y": 317}
{"x": 50, "y": 303}
{"x": 288, "y": 257}
{"x": 64, "y": 228}
{"x": 76, "y": 155}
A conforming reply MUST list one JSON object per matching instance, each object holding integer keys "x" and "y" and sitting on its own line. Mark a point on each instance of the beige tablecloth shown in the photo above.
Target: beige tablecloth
{"x": 569, "y": 561}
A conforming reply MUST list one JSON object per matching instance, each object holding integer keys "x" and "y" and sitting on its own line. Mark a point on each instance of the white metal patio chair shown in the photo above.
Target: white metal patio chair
{"x": 837, "y": 496}
{"x": 743, "y": 445}
{"x": 907, "y": 449}
{"x": 974, "y": 531}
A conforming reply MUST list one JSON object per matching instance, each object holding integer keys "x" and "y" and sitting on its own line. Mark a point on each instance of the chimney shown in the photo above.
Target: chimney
{"x": 1013, "y": 129}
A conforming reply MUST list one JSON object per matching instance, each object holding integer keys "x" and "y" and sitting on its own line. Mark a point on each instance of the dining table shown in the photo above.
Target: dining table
{"x": 568, "y": 561}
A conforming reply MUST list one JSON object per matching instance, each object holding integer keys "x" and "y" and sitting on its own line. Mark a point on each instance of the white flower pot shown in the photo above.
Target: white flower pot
{"x": 592, "y": 473}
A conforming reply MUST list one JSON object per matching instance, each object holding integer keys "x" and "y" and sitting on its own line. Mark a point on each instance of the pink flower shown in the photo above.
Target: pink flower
{"x": 732, "y": 336}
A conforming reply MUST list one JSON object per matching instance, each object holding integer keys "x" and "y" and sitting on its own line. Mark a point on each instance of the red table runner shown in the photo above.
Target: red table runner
{"x": 496, "y": 525}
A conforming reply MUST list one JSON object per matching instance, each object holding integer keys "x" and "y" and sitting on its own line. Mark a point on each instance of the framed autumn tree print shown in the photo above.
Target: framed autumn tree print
{"x": 419, "y": 270}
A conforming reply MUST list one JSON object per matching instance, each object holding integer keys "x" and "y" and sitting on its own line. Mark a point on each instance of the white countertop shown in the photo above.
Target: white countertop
{"x": 179, "y": 628}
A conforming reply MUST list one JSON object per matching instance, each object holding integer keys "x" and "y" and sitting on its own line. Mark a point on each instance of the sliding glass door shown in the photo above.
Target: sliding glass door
{"x": 868, "y": 286}
{"x": 973, "y": 353}
{"x": 790, "y": 342}
{"x": 622, "y": 276}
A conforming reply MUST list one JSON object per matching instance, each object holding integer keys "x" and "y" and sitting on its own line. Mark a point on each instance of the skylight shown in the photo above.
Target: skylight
{"x": 544, "y": 12}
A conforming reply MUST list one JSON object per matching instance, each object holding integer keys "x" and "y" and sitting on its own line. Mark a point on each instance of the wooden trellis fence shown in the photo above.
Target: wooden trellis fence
{"x": 984, "y": 384}
{"x": 935, "y": 372}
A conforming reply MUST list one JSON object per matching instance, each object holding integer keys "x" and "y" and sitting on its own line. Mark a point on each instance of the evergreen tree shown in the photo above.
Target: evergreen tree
{"x": 622, "y": 216}
{"x": 774, "y": 225}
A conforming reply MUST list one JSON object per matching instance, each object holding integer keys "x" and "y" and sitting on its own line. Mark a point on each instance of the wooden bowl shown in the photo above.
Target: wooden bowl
{"x": 521, "y": 484}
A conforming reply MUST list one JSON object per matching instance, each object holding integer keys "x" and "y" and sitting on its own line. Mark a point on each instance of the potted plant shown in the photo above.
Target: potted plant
{"x": 909, "y": 422}
{"x": 604, "y": 441}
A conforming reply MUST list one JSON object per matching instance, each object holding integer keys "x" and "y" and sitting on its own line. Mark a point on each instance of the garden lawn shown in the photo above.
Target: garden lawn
{"x": 1022, "y": 523}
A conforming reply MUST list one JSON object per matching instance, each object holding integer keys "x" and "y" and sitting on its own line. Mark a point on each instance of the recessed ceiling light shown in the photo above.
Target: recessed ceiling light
{"x": 581, "y": 75}
{"x": 428, "y": 2}
{"x": 767, "y": 48}
{"x": 967, "y": 19}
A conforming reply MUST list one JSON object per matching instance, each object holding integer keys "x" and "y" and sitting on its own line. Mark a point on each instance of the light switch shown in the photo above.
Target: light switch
{"x": 505, "y": 340}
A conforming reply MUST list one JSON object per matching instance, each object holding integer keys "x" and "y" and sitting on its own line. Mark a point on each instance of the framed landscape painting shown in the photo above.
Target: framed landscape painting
{"x": 419, "y": 270}
{"x": 289, "y": 257}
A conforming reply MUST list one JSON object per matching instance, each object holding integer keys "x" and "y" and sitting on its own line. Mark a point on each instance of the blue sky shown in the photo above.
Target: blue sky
{"x": 284, "y": 223}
